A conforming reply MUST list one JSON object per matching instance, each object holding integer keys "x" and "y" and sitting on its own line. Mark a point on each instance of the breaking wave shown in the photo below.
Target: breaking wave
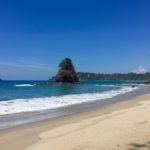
{"x": 38, "y": 104}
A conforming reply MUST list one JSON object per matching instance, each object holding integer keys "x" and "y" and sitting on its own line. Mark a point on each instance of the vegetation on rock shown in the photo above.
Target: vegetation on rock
{"x": 66, "y": 73}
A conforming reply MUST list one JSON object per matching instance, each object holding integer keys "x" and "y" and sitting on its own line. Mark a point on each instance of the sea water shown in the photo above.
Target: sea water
{"x": 26, "y": 96}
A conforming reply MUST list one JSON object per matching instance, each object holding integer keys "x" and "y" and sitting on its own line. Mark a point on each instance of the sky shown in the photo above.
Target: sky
{"x": 101, "y": 36}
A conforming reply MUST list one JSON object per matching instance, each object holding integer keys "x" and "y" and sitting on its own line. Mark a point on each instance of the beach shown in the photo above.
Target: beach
{"x": 124, "y": 125}
{"x": 75, "y": 75}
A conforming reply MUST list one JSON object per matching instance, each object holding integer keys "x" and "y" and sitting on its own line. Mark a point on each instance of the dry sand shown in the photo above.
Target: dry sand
{"x": 121, "y": 126}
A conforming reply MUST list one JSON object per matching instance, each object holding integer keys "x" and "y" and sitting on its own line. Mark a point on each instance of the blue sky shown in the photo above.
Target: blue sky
{"x": 102, "y": 36}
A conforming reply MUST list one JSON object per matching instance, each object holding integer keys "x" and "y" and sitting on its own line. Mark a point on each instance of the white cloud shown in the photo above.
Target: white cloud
{"x": 140, "y": 70}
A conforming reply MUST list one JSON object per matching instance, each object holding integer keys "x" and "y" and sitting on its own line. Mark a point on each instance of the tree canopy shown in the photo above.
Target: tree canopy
{"x": 114, "y": 76}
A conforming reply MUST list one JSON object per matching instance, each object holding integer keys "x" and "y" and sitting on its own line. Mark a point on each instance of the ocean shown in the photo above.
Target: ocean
{"x": 25, "y": 96}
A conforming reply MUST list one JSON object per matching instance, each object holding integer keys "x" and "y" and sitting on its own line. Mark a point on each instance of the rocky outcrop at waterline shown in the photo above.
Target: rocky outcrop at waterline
{"x": 66, "y": 73}
{"x": 147, "y": 82}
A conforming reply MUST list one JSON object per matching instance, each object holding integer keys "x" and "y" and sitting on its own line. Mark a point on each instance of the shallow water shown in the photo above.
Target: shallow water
{"x": 25, "y": 96}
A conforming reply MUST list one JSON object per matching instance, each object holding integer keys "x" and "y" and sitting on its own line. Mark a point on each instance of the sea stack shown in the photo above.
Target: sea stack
{"x": 66, "y": 73}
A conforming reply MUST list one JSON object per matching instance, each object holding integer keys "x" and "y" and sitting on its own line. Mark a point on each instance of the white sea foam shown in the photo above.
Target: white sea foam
{"x": 37, "y": 104}
{"x": 110, "y": 85}
{"x": 23, "y": 85}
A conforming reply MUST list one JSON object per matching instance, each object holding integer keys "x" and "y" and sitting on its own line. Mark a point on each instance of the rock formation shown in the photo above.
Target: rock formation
{"x": 147, "y": 82}
{"x": 66, "y": 73}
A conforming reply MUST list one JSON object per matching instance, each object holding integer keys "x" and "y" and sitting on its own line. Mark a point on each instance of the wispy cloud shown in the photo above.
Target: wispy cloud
{"x": 139, "y": 70}
{"x": 28, "y": 65}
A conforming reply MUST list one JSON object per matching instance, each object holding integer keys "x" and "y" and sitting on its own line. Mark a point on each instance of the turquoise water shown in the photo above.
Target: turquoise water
{"x": 24, "y": 96}
{"x": 26, "y": 89}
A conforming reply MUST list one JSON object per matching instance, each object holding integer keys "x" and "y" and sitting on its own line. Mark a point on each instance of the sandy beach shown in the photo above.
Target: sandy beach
{"x": 121, "y": 126}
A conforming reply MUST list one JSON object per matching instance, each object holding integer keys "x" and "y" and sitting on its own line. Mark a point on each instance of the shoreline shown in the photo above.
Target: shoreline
{"x": 30, "y": 134}
{"x": 17, "y": 119}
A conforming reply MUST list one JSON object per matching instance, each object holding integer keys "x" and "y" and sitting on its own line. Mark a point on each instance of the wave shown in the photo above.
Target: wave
{"x": 119, "y": 85}
{"x": 110, "y": 85}
{"x": 38, "y": 104}
{"x": 23, "y": 85}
